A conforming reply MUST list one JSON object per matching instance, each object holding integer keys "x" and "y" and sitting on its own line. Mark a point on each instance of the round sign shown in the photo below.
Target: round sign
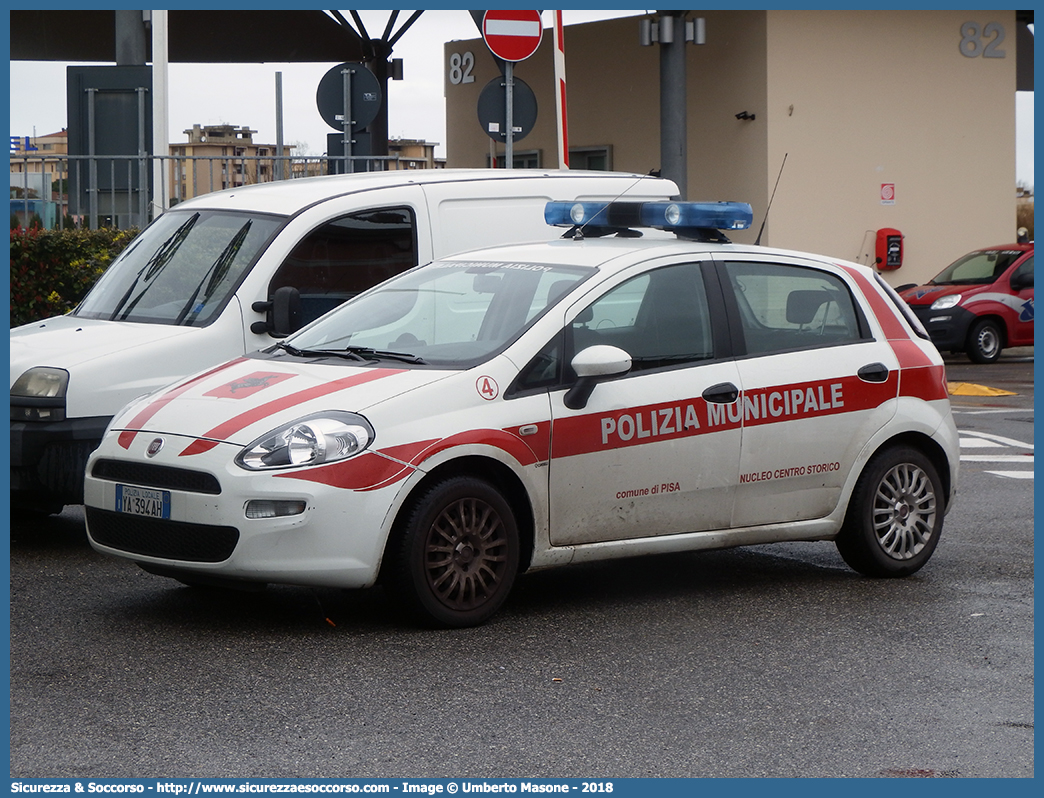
{"x": 365, "y": 96}
{"x": 512, "y": 35}
{"x": 492, "y": 109}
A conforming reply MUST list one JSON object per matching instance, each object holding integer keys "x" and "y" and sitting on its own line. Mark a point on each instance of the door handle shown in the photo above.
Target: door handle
{"x": 724, "y": 393}
{"x": 873, "y": 372}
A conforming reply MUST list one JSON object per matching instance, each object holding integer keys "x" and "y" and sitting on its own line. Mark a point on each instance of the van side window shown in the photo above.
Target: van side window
{"x": 1022, "y": 277}
{"x": 783, "y": 307}
{"x": 346, "y": 256}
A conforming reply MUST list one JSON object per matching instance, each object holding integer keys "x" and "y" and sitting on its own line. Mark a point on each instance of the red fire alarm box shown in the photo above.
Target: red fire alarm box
{"x": 889, "y": 249}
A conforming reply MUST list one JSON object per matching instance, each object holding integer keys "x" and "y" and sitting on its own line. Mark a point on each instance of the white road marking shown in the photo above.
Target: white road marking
{"x": 980, "y": 443}
{"x": 997, "y": 458}
{"x": 1000, "y": 439}
{"x": 1013, "y": 474}
{"x": 984, "y": 440}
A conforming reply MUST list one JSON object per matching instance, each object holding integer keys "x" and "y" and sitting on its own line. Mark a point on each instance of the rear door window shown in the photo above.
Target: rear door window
{"x": 783, "y": 307}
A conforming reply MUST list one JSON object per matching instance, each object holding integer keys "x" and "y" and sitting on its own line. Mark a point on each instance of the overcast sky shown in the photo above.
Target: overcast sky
{"x": 244, "y": 94}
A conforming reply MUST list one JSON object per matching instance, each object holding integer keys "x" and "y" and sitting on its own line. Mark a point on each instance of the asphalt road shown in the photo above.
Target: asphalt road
{"x": 764, "y": 661}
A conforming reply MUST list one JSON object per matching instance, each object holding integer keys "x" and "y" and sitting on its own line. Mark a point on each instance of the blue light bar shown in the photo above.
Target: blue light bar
{"x": 569, "y": 214}
{"x": 660, "y": 215}
{"x": 712, "y": 215}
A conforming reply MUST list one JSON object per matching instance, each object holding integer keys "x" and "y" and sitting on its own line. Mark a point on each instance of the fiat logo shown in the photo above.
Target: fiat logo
{"x": 154, "y": 448}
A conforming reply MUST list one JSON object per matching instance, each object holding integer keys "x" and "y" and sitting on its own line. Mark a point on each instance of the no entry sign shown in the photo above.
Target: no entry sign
{"x": 512, "y": 35}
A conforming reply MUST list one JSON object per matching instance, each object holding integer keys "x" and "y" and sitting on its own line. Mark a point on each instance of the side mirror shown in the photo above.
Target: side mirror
{"x": 1021, "y": 281}
{"x": 592, "y": 365}
{"x": 283, "y": 313}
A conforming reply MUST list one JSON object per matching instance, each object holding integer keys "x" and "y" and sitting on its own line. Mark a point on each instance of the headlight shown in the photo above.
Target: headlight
{"x": 39, "y": 395}
{"x": 42, "y": 382}
{"x": 946, "y": 302}
{"x": 320, "y": 438}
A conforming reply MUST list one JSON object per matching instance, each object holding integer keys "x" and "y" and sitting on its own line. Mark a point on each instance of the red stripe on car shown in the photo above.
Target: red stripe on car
{"x": 127, "y": 436}
{"x": 243, "y": 420}
{"x": 666, "y": 421}
{"x": 894, "y": 329}
{"x": 376, "y": 470}
{"x": 921, "y": 378}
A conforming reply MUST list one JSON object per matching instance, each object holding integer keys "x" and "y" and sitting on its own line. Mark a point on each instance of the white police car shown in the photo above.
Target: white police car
{"x": 617, "y": 392}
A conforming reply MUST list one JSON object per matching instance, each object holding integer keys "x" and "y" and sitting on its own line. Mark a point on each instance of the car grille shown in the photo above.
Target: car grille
{"x": 150, "y": 475}
{"x": 153, "y": 537}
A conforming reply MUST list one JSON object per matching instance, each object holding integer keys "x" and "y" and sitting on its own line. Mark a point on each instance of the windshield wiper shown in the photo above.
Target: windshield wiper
{"x": 154, "y": 266}
{"x": 382, "y": 354}
{"x": 217, "y": 272}
{"x": 343, "y": 353}
{"x": 361, "y": 353}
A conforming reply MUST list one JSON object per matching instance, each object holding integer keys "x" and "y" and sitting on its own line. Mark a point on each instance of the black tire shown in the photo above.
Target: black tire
{"x": 985, "y": 341}
{"x": 456, "y": 558}
{"x": 23, "y": 513}
{"x": 895, "y": 516}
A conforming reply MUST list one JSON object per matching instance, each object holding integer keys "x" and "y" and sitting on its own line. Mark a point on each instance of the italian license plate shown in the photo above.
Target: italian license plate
{"x": 143, "y": 501}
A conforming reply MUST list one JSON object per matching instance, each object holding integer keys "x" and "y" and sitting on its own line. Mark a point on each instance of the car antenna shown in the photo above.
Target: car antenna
{"x": 578, "y": 231}
{"x": 757, "y": 241}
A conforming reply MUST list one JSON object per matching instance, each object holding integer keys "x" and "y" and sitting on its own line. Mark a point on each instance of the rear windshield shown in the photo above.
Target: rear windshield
{"x": 181, "y": 270}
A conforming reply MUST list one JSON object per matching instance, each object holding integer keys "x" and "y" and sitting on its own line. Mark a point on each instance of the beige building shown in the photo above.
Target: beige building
{"x": 34, "y": 155}
{"x": 886, "y": 119}
{"x": 413, "y": 154}
{"x": 216, "y": 157}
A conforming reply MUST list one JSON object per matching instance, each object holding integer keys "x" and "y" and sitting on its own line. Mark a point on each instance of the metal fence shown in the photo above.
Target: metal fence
{"x": 116, "y": 190}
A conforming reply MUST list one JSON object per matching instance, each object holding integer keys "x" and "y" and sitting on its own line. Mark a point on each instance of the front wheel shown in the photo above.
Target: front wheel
{"x": 985, "y": 341}
{"x": 456, "y": 559}
{"x": 895, "y": 516}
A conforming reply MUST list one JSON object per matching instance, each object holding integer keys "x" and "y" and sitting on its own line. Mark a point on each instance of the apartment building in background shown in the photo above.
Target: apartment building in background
{"x": 214, "y": 157}
{"x": 217, "y": 157}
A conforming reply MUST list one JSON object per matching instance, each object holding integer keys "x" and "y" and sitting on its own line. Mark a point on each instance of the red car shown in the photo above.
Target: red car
{"x": 980, "y": 303}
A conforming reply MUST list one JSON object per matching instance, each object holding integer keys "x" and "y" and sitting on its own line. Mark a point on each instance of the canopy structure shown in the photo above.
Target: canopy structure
{"x": 211, "y": 37}
{"x": 194, "y": 36}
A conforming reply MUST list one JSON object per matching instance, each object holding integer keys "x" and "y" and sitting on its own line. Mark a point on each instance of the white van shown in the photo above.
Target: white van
{"x": 223, "y": 274}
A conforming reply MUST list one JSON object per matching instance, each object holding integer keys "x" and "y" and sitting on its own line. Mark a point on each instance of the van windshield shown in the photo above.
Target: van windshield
{"x": 182, "y": 269}
{"x": 448, "y": 313}
{"x": 977, "y": 268}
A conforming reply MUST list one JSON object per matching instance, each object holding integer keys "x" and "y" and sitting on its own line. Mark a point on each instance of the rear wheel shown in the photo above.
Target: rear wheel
{"x": 457, "y": 556}
{"x": 985, "y": 341}
{"x": 896, "y": 514}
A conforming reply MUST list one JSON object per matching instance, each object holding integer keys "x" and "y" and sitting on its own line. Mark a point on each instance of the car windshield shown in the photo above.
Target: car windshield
{"x": 182, "y": 269}
{"x": 977, "y": 268}
{"x": 448, "y": 313}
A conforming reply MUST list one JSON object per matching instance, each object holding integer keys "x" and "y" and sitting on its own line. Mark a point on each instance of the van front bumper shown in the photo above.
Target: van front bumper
{"x": 48, "y": 459}
{"x": 948, "y": 328}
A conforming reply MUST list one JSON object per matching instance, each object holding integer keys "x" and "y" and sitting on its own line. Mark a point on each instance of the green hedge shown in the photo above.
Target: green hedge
{"x": 51, "y": 270}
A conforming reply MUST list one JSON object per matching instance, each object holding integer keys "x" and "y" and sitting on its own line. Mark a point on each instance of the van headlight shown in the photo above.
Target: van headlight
{"x": 320, "y": 438}
{"x": 42, "y": 382}
{"x": 39, "y": 395}
{"x": 942, "y": 303}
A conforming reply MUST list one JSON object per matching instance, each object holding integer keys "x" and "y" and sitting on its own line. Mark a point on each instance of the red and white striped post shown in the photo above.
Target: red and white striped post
{"x": 560, "y": 85}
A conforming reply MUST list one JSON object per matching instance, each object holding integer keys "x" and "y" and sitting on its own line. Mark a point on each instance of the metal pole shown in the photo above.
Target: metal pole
{"x": 25, "y": 190}
{"x": 346, "y": 122}
{"x": 560, "y": 91}
{"x": 160, "y": 114}
{"x": 143, "y": 163}
{"x": 280, "y": 163}
{"x": 92, "y": 165}
{"x": 130, "y": 38}
{"x": 509, "y": 101}
{"x": 673, "y": 133}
